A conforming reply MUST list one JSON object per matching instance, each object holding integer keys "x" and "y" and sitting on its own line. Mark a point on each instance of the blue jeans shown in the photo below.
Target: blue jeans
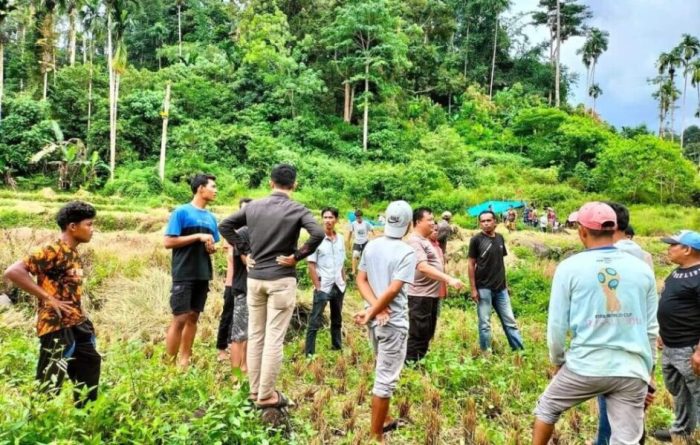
{"x": 604, "y": 430}
{"x": 500, "y": 301}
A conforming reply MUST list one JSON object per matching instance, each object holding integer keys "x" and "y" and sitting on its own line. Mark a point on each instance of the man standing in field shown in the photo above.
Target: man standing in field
{"x": 607, "y": 300}
{"x": 487, "y": 275}
{"x": 679, "y": 323}
{"x": 327, "y": 273}
{"x": 224, "y": 335}
{"x": 66, "y": 336}
{"x": 191, "y": 234}
{"x": 511, "y": 217}
{"x": 387, "y": 265}
{"x": 274, "y": 224}
{"x": 444, "y": 231}
{"x": 424, "y": 292}
{"x": 359, "y": 234}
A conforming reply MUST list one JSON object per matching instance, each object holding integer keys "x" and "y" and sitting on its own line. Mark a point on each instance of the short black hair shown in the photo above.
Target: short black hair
{"x": 200, "y": 179}
{"x": 333, "y": 210}
{"x": 419, "y": 213}
{"x": 600, "y": 233}
{"x": 74, "y": 212}
{"x": 244, "y": 201}
{"x": 629, "y": 231}
{"x": 358, "y": 212}
{"x": 284, "y": 176}
{"x": 485, "y": 212}
{"x": 623, "y": 215}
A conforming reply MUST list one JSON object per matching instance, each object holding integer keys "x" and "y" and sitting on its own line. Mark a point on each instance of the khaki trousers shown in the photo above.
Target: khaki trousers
{"x": 270, "y": 308}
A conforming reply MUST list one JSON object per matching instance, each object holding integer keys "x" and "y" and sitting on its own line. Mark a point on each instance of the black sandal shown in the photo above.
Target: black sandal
{"x": 282, "y": 401}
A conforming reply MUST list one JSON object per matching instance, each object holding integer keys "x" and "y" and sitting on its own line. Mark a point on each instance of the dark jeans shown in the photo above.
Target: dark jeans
{"x": 70, "y": 352}
{"x": 422, "y": 320}
{"x": 335, "y": 298}
{"x": 225, "y": 322}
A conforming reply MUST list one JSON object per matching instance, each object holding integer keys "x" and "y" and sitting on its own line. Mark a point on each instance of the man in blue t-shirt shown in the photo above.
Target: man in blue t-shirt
{"x": 191, "y": 234}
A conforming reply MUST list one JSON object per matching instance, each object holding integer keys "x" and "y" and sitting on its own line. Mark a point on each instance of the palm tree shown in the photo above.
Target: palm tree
{"x": 6, "y": 6}
{"x": 668, "y": 63}
{"x": 586, "y": 58}
{"x": 594, "y": 91}
{"x": 92, "y": 23}
{"x": 596, "y": 44}
{"x": 47, "y": 39}
{"x": 688, "y": 49}
{"x": 71, "y": 7}
{"x": 695, "y": 80}
{"x": 179, "y": 4}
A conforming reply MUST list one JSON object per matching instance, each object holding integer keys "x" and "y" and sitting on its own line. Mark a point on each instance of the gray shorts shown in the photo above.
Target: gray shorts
{"x": 239, "y": 322}
{"x": 624, "y": 397}
{"x": 389, "y": 345}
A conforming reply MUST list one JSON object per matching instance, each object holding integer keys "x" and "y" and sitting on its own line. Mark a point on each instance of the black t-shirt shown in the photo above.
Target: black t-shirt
{"x": 489, "y": 253}
{"x": 679, "y": 308}
{"x": 240, "y": 273}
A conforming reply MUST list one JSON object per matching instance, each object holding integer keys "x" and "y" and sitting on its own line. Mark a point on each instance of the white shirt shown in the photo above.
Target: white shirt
{"x": 361, "y": 231}
{"x": 330, "y": 259}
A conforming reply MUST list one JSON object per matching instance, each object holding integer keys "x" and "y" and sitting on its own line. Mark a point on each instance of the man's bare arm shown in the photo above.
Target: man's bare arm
{"x": 175, "y": 242}
{"x": 20, "y": 276}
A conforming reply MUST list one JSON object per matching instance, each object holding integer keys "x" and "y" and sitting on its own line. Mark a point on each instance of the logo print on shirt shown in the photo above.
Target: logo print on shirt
{"x": 609, "y": 280}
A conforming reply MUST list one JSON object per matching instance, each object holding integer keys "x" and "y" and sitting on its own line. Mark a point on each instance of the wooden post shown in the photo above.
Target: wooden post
{"x": 164, "y": 137}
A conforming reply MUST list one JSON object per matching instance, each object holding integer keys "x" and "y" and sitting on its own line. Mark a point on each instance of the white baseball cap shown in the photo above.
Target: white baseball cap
{"x": 398, "y": 218}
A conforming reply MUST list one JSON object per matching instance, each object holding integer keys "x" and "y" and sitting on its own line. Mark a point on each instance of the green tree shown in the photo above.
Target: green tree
{"x": 6, "y": 7}
{"x": 596, "y": 44}
{"x": 594, "y": 91}
{"x": 668, "y": 63}
{"x": 688, "y": 49}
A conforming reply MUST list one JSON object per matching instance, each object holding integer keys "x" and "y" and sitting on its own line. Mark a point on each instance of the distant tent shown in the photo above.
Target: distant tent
{"x": 498, "y": 207}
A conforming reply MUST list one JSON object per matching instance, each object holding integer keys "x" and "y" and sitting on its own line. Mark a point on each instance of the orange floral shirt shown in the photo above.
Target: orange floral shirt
{"x": 59, "y": 272}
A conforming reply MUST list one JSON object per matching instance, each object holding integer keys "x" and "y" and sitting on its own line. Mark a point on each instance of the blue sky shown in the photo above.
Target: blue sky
{"x": 639, "y": 31}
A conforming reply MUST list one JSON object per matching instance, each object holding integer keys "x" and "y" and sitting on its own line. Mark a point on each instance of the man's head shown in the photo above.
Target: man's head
{"x": 244, "y": 202}
{"x": 423, "y": 221}
{"x": 75, "y": 219}
{"x": 487, "y": 221}
{"x": 398, "y": 219}
{"x": 358, "y": 215}
{"x": 629, "y": 232}
{"x": 283, "y": 177}
{"x": 330, "y": 217}
{"x": 684, "y": 248}
{"x": 433, "y": 233}
{"x": 447, "y": 216}
{"x": 597, "y": 222}
{"x": 204, "y": 186}
{"x": 622, "y": 214}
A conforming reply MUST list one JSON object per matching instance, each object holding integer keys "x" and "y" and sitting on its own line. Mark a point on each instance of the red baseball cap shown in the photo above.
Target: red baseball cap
{"x": 595, "y": 215}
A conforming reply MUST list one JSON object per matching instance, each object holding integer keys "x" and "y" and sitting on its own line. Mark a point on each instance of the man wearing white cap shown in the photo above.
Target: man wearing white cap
{"x": 607, "y": 300}
{"x": 679, "y": 323}
{"x": 387, "y": 265}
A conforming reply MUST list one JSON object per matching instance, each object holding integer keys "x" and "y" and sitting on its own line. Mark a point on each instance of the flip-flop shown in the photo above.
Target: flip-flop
{"x": 393, "y": 425}
{"x": 282, "y": 401}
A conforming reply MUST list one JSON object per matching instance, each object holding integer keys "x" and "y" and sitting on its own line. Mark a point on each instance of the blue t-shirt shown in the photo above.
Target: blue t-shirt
{"x": 191, "y": 262}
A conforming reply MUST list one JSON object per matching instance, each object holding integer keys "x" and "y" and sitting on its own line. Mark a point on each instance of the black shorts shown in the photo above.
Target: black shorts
{"x": 358, "y": 247}
{"x": 188, "y": 296}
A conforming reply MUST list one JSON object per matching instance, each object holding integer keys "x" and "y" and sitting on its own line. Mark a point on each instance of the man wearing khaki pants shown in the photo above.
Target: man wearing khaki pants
{"x": 273, "y": 224}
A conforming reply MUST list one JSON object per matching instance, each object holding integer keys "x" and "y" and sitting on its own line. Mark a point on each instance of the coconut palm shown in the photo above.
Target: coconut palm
{"x": 93, "y": 25}
{"x": 46, "y": 13}
{"x": 596, "y": 44}
{"x": 695, "y": 80}
{"x": 179, "y": 4}
{"x": 669, "y": 63}
{"x": 594, "y": 91}
{"x": 6, "y": 6}
{"x": 71, "y": 8}
{"x": 688, "y": 49}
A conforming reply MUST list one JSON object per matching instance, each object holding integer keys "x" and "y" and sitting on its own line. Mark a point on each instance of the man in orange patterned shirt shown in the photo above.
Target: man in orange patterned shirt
{"x": 66, "y": 336}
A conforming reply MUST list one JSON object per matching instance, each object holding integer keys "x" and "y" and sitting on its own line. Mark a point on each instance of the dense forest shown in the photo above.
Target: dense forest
{"x": 446, "y": 102}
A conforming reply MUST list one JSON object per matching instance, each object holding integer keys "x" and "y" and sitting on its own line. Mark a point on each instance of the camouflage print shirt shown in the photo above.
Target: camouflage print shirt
{"x": 59, "y": 272}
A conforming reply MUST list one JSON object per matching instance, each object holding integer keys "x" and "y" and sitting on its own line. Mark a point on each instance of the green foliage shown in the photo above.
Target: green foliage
{"x": 24, "y": 130}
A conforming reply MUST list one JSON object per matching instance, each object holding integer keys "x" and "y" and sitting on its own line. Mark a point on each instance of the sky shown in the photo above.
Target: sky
{"x": 639, "y": 31}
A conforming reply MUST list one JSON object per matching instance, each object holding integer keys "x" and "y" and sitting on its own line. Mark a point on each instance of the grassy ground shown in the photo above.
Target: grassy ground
{"x": 455, "y": 396}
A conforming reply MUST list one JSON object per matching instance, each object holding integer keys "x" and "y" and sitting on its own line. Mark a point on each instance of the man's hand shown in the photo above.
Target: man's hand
{"x": 651, "y": 390}
{"x": 659, "y": 343}
{"x": 287, "y": 261}
{"x": 361, "y": 318}
{"x": 206, "y": 238}
{"x": 383, "y": 317}
{"x": 249, "y": 262}
{"x": 57, "y": 305}
{"x": 455, "y": 283}
{"x": 695, "y": 361}
{"x": 475, "y": 295}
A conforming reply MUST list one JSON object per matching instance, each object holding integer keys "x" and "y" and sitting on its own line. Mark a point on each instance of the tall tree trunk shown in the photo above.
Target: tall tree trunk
{"x": 365, "y": 123}
{"x": 179, "y": 30}
{"x": 449, "y": 104}
{"x": 23, "y": 34}
{"x": 46, "y": 83}
{"x": 493, "y": 58}
{"x": 352, "y": 103}
{"x": 2, "y": 73}
{"x": 557, "y": 74}
{"x": 466, "y": 51}
{"x": 164, "y": 135}
{"x": 89, "y": 110}
{"x": 112, "y": 130}
{"x": 346, "y": 101}
{"x": 673, "y": 122}
{"x": 685, "y": 87}
{"x": 71, "y": 35}
{"x": 84, "y": 48}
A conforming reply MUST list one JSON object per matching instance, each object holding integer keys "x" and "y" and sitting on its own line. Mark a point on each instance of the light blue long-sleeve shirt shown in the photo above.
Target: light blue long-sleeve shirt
{"x": 607, "y": 300}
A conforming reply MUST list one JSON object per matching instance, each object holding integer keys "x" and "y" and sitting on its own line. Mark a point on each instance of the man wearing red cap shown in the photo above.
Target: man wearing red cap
{"x": 679, "y": 323}
{"x": 607, "y": 300}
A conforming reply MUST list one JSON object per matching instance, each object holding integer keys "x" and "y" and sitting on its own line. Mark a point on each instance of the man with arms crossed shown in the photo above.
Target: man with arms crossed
{"x": 487, "y": 274}
{"x": 424, "y": 293}
{"x": 191, "y": 234}
{"x": 386, "y": 266}
{"x": 359, "y": 233}
{"x": 327, "y": 273}
{"x": 274, "y": 224}
{"x": 66, "y": 336}
{"x": 607, "y": 300}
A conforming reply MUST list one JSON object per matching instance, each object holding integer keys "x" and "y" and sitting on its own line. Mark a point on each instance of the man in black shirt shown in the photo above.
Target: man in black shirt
{"x": 679, "y": 329}
{"x": 487, "y": 275}
{"x": 273, "y": 224}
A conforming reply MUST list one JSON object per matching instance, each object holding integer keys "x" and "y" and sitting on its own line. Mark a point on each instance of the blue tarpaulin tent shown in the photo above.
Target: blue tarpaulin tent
{"x": 498, "y": 207}
{"x": 351, "y": 218}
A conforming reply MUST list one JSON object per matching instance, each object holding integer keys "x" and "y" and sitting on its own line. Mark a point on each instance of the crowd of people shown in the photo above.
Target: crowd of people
{"x": 604, "y": 299}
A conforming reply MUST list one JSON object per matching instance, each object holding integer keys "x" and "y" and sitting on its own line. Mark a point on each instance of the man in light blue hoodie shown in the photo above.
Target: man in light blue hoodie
{"x": 607, "y": 300}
